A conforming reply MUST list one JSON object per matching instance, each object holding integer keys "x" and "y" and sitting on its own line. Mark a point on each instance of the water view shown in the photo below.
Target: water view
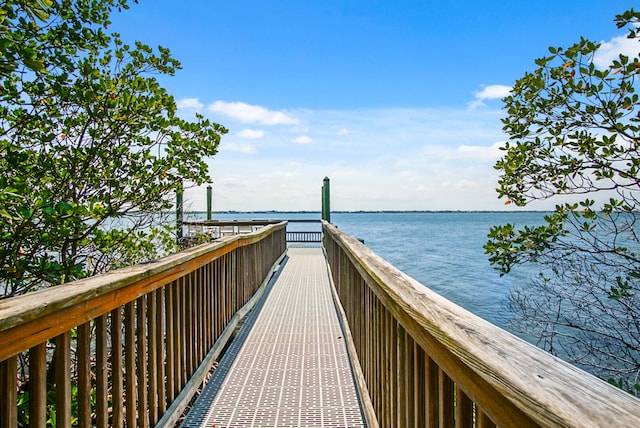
{"x": 442, "y": 250}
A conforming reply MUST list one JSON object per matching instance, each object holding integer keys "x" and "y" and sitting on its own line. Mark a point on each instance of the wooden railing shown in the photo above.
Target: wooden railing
{"x": 427, "y": 362}
{"x": 304, "y": 237}
{"x": 140, "y": 339}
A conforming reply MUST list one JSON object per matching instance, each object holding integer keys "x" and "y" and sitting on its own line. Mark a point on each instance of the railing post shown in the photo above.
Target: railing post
{"x": 209, "y": 202}
{"x": 179, "y": 212}
{"x": 326, "y": 200}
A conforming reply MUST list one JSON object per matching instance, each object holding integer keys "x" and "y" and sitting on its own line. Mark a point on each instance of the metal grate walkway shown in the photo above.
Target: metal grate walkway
{"x": 292, "y": 369}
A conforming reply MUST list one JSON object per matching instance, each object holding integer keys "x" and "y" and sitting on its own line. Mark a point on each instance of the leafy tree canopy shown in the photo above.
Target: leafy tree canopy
{"x": 574, "y": 129}
{"x": 91, "y": 145}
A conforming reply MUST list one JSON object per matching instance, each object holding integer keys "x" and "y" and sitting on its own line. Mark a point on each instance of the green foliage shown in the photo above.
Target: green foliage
{"x": 91, "y": 146}
{"x": 23, "y": 406}
{"x": 574, "y": 131}
{"x": 634, "y": 388}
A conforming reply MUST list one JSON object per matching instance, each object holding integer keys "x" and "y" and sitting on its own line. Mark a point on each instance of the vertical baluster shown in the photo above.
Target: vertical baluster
{"x": 202, "y": 305}
{"x": 369, "y": 337}
{"x": 239, "y": 278}
{"x": 386, "y": 395}
{"x": 361, "y": 293}
{"x": 161, "y": 353}
{"x": 117, "y": 394}
{"x": 219, "y": 275}
{"x": 101, "y": 372}
{"x": 393, "y": 369}
{"x": 38, "y": 385}
{"x": 375, "y": 356}
{"x": 379, "y": 356}
{"x": 464, "y": 410}
{"x": 181, "y": 335}
{"x": 192, "y": 315}
{"x": 420, "y": 404}
{"x": 63, "y": 379}
{"x": 170, "y": 323}
{"x": 152, "y": 358}
{"x": 483, "y": 420}
{"x": 401, "y": 378}
{"x": 433, "y": 401}
{"x": 233, "y": 279}
{"x": 208, "y": 298}
{"x": 410, "y": 374}
{"x": 141, "y": 334}
{"x": 8, "y": 393}
{"x": 446, "y": 393}
{"x": 364, "y": 352}
{"x": 188, "y": 319}
{"x": 205, "y": 309}
{"x": 177, "y": 337}
{"x": 130, "y": 363}
{"x": 199, "y": 317}
{"x": 196, "y": 319}
{"x": 83, "y": 354}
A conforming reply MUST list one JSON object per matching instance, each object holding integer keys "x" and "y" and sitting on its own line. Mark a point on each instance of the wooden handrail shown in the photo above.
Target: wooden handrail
{"x": 154, "y": 325}
{"x": 429, "y": 362}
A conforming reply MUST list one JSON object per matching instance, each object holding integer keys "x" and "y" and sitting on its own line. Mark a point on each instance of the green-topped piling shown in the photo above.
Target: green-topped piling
{"x": 326, "y": 200}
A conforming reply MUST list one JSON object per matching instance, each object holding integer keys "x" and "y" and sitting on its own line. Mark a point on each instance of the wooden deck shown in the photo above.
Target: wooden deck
{"x": 289, "y": 366}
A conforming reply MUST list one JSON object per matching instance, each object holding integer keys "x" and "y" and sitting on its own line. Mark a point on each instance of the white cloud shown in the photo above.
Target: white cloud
{"x": 247, "y": 149}
{"x": 189, "y": 104}
{"x": 393, "y": 158}
{"x": 342, "y": 132}
{"x": 489, "y": 92}
{"x": 303, "y": 139}
{"x": 251, "y": 134}
{"x": 247, "y": 113}
{"x": 611, "y": 50}
{"x": 492, "y": 152}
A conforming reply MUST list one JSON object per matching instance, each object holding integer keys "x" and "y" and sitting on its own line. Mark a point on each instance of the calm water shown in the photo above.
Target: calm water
{"x": 442, "y": 250}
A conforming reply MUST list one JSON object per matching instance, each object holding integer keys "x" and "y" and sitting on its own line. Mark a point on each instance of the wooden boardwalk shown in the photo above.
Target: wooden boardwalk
{"x": 289, "y": 366}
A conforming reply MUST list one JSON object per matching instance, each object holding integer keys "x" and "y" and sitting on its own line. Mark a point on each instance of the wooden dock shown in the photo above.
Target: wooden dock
{"x": 134, "y": 346}
{"x": 289, "y": 367}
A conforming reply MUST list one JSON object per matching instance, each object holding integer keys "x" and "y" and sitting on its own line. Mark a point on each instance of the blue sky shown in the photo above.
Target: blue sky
{"x": 398, "y": 102}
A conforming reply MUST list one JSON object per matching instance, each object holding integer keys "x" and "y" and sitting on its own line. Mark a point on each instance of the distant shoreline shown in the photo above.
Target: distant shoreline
{"x": 371, "y": 212}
